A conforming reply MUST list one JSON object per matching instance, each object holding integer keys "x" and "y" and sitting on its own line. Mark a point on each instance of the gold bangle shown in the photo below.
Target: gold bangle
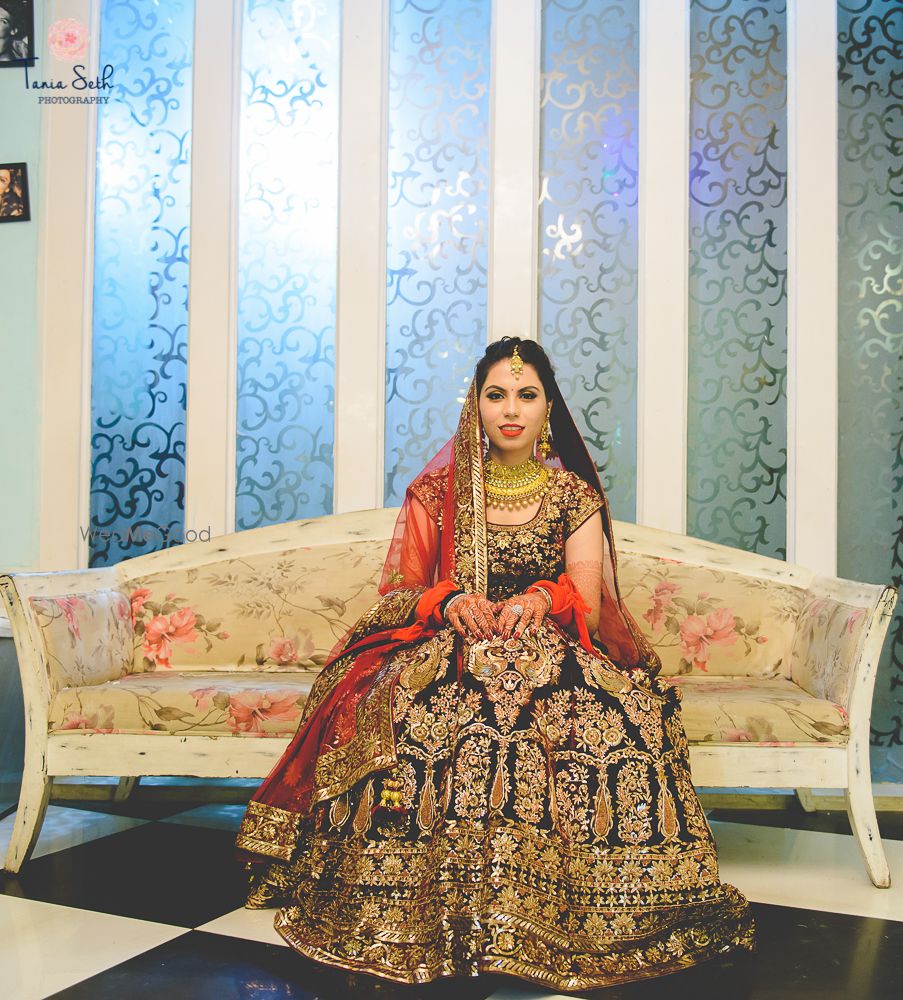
{"x": 542, "y": 590}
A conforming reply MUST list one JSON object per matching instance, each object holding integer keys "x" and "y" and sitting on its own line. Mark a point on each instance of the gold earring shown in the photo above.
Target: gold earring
{"x": 544, "y": 446}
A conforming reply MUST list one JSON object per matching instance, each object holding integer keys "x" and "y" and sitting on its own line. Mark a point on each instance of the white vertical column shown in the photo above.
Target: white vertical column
{"x": 663, "y": 264}
{"x": 361, "y": 299}
{"x": 514, "y": 75}
{"x": 812, "y": 405}
{"x": 65, "y": 303}
{"x": 212, "y": 333}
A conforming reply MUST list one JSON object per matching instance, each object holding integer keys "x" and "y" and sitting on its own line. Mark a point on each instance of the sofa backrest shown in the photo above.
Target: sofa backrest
{"x": 706, "y": 620}
{"x": 279, "y": 598}
{"x": 282, "y": 610}
{"x": 273, "y": 598}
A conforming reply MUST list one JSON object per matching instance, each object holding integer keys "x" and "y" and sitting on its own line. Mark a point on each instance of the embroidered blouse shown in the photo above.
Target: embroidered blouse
{"x": 518, "y": 554}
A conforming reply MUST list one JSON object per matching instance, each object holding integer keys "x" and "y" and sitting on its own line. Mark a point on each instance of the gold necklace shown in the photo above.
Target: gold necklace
{"x": 511, "y": 487}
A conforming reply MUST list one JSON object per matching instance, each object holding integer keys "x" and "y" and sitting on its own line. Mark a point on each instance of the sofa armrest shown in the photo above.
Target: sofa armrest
{"x": 839, "y": 634}
{"x": 69, "y": 628}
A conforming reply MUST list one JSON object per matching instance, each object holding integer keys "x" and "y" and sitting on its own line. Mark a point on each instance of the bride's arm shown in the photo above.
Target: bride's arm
{"x": 583, "y": 553}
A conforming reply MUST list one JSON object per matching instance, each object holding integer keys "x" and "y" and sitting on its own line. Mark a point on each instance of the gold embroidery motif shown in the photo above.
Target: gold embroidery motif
{"x": 426, "y": 662}
{"x": 511, "y": 668}
{"x": 582, "y": 500}
{"x": 667, "y": 810}
{"x": 430, "y": 490}
{"x": 643, "y": 911}
{"x": 572, "y": 788}
{"x": 603, "y": 817}
{"x": 552, "y": 717}
{"x": 472, "y": 777}
{"x": 697, "y": 824}
{"x": 371, "y": 747}
{"x": 362, "y": 815}
{"x": 595, "y": 728}
{"x": 644, "y": 712}
{"x": 530, "y": 781}
{"x": 268, "y": 830}
{"x": 634, "y": 798}
{"x": 394, "y": 610}
{"x": 427, "y": 812}
{"x": 269, "y": 887}
{"x": 339, "y": 812}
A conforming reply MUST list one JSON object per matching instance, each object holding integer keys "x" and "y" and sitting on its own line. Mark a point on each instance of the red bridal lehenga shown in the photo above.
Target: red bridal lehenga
{"x": 516, "y": 806}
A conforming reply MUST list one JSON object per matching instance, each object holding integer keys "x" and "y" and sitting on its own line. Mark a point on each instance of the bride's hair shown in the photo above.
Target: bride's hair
{"x": 530, "y": 352}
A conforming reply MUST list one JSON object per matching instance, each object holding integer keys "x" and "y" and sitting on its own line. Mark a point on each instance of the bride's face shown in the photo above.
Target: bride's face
{"x": 508, "y": 403}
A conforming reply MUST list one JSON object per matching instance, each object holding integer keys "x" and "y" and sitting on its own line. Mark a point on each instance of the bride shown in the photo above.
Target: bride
{"x": 489, "y": 776}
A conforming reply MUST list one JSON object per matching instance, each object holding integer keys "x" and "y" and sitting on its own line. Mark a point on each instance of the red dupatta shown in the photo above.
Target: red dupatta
{"x": 438, "y": 545}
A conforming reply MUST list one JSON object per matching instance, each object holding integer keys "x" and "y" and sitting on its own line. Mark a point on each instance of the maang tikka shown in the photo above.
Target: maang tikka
{"x": 517, "y": 363}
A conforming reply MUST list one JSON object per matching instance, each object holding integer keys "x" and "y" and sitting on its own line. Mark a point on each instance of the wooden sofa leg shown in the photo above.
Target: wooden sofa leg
{"x": 861, "y": 812}
{"x": 33, "y": 798}
{"x": 125, "y": 788}
{"x": 807, "y": 799}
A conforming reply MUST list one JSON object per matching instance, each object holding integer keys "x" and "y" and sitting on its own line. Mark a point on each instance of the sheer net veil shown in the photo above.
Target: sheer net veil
{"x": 440, "y": 533}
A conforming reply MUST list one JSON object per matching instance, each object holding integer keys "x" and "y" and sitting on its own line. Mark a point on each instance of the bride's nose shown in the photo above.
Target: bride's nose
{"x": 511, "y": 409}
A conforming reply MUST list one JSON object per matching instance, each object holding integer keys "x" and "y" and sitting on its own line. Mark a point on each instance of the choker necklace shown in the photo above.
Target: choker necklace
{"x": 511, "y": 487}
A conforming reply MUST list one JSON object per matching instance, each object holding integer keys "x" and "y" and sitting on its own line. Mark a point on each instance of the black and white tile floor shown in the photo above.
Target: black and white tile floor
{"x": 145, "y": 900}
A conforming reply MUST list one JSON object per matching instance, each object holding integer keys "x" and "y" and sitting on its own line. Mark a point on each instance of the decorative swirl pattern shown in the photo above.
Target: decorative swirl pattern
{"x": 139, "y": 361}
{"x": 287, "y": 261}
{"x": 737, "y": 418}
{"x": 870, "y": 514}
{"x": 588, "y": 218}
{"x": 438, "y": 213}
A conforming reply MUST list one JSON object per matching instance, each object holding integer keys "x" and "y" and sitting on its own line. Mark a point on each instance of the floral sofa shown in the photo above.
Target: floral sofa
{"x": 196, "y": 660}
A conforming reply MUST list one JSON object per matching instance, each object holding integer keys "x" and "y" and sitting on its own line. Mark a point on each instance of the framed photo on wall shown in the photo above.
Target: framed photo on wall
{"x": 14, "y": 205}
{"x": 16, "y": 33}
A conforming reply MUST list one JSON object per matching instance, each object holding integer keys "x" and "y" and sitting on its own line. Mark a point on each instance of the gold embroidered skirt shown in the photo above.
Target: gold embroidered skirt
{"x": 540, "y": 822}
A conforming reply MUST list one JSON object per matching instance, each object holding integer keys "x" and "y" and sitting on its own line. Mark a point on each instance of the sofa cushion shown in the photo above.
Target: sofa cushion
{"x": 724, "y": 710}
{"x": 239, "y": 704}
{"x": 774, "y": 712}
{"x": 87, "y": 636}
{"x": 706, "y": 620}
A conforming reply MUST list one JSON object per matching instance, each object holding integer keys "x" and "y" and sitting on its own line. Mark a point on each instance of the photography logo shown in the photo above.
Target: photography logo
{"x": 67, "y": 41}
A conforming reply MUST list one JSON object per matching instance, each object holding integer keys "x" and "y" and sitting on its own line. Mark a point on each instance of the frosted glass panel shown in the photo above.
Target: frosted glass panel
{"x": 287, "y": 260}
{"x": 737, "y": 392}
{"x": 437, "y": 224}
{"x": 139, "y": 352}
{"x": 870, "y": 511}
{"x": 588, "y": 226}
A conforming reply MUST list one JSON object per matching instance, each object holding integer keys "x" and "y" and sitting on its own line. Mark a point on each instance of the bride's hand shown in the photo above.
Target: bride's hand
{"x": 472, "y": 616}
{"x": 535, "y": 609}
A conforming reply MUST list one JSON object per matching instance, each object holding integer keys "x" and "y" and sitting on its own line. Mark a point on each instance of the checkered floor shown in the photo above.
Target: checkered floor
{"x": 145, "y": 900}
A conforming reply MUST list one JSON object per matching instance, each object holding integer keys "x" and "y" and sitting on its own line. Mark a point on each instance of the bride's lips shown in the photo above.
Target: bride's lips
{"x": 511, "y": 430}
